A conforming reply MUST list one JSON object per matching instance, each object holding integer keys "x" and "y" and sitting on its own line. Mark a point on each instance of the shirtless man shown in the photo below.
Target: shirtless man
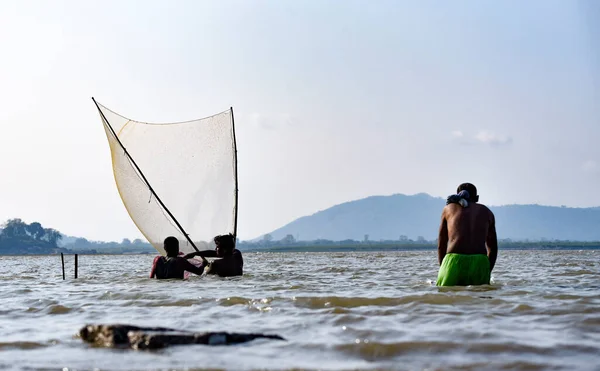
{"x": 231, "y": 262}
{"x": 173, "y": 265}
{"x": 467, "y": 243}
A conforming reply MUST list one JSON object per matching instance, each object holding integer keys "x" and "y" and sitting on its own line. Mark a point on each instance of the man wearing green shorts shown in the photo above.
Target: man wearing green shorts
{"x": 467, "y": 243}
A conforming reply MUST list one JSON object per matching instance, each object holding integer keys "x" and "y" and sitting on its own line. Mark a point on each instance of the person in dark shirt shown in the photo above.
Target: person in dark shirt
{"x": 174, "y": 265}
{"x": 230, "y": 263}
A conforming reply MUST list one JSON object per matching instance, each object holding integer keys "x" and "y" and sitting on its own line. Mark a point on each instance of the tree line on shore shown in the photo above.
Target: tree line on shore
{"x": 18, "y": 237}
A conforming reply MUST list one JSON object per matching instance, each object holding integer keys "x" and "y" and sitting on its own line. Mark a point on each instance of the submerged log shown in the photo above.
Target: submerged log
{"x": 126, "y": 336}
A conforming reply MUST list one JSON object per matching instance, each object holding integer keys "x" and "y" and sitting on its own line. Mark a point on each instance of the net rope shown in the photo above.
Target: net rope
{"x": 190, "y": 166}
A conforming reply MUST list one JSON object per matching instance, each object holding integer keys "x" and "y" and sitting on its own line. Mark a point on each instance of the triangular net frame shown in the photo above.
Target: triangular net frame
{"x": 176, "y": 179}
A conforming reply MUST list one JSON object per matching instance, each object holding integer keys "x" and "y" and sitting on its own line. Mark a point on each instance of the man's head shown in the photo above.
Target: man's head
{"x": 474, "y": 197}
{"x": 171, "y": 246}
{"x": 225, "y": 244}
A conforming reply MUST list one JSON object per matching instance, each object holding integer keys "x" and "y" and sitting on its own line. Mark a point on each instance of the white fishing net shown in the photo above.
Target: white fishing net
{"x": 190, "y": 166}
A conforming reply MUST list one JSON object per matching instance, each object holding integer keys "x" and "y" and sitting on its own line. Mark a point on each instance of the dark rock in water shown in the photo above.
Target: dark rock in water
{"x": 126, "y": 336}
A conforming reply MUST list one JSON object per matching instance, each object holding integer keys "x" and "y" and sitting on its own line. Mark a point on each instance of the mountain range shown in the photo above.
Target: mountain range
{"x": 411, "y": 216}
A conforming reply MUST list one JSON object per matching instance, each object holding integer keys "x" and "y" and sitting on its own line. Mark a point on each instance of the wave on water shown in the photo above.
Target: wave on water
{"x": 340, "y": 303}
{"x": 58, "y": 309}
{"x": 377, "y": 351}
{"x": 354, "y": 302}
{"x": 25, "y": 345}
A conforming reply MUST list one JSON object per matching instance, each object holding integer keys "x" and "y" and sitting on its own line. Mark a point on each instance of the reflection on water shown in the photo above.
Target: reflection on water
{"x": 337, "y": 311}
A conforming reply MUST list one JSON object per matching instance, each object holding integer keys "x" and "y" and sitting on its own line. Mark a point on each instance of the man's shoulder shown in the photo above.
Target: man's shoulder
{"x": 451, "y": 209}
{"x": 237, "y": 255}
{"x": 483, "y": 207}
{"x": 487, "y": 211}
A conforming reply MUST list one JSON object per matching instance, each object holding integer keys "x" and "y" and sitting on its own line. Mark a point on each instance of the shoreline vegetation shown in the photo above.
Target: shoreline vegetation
{"x": 20, "y": 238}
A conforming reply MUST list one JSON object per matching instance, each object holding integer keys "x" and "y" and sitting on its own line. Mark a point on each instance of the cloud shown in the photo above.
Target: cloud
{"x": 460, "y": 138}
{"x": 590, "y": 166}
{"x": 483, "y": 137}
{"x": 269, "y": 121}
{"x": 457, "y": 134}
{"x": 493, "y": 139}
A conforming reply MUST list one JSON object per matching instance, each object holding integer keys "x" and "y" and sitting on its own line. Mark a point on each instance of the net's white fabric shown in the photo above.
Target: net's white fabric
{"x": 191, "y": 167}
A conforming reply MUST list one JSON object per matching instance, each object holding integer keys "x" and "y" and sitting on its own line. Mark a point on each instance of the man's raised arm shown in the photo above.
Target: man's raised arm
{"x": 192, "y": 268}
{"x": 209, "y": 253}
{"x": 491, "y": 242}
{"x": 202, "y": 254}
{"x": 442, "y": 238}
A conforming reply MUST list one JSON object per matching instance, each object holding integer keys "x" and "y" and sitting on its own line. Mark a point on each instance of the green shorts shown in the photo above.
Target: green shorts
{"x": 464, "y": 270}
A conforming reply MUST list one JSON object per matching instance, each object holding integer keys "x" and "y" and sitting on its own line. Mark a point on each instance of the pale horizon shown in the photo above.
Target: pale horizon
{"x": 332, "y": 103}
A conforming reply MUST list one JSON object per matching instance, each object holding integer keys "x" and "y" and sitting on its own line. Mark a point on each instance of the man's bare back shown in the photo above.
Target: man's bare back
{"x": 467, "y": 228}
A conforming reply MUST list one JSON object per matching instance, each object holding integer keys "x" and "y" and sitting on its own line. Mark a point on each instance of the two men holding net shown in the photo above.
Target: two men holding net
{"x": 174, "y": 265}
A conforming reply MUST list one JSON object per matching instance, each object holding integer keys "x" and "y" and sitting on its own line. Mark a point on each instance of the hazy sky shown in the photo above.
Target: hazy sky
{"x": 334, "y": 100}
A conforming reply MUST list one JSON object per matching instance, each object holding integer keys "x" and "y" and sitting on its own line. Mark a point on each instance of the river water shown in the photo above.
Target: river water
{"x": 337, "y": 311}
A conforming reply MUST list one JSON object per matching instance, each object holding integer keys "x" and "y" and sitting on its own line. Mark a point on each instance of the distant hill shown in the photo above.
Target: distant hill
{"x": 389, "y": 217}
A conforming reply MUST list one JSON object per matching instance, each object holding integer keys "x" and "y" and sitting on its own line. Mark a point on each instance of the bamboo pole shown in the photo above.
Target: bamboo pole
{"x": 62, "y": 260}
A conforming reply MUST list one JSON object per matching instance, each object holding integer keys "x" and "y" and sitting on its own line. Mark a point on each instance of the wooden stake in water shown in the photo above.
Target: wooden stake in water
{"x": 75, "y": 265}
{"x": 62, "y": 259}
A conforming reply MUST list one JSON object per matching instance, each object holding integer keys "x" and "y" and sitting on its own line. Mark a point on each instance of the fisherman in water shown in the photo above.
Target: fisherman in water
{"x": 173, "y": 265}
{"x": 467, "y": 243}
{"x": 230, "y": 263}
